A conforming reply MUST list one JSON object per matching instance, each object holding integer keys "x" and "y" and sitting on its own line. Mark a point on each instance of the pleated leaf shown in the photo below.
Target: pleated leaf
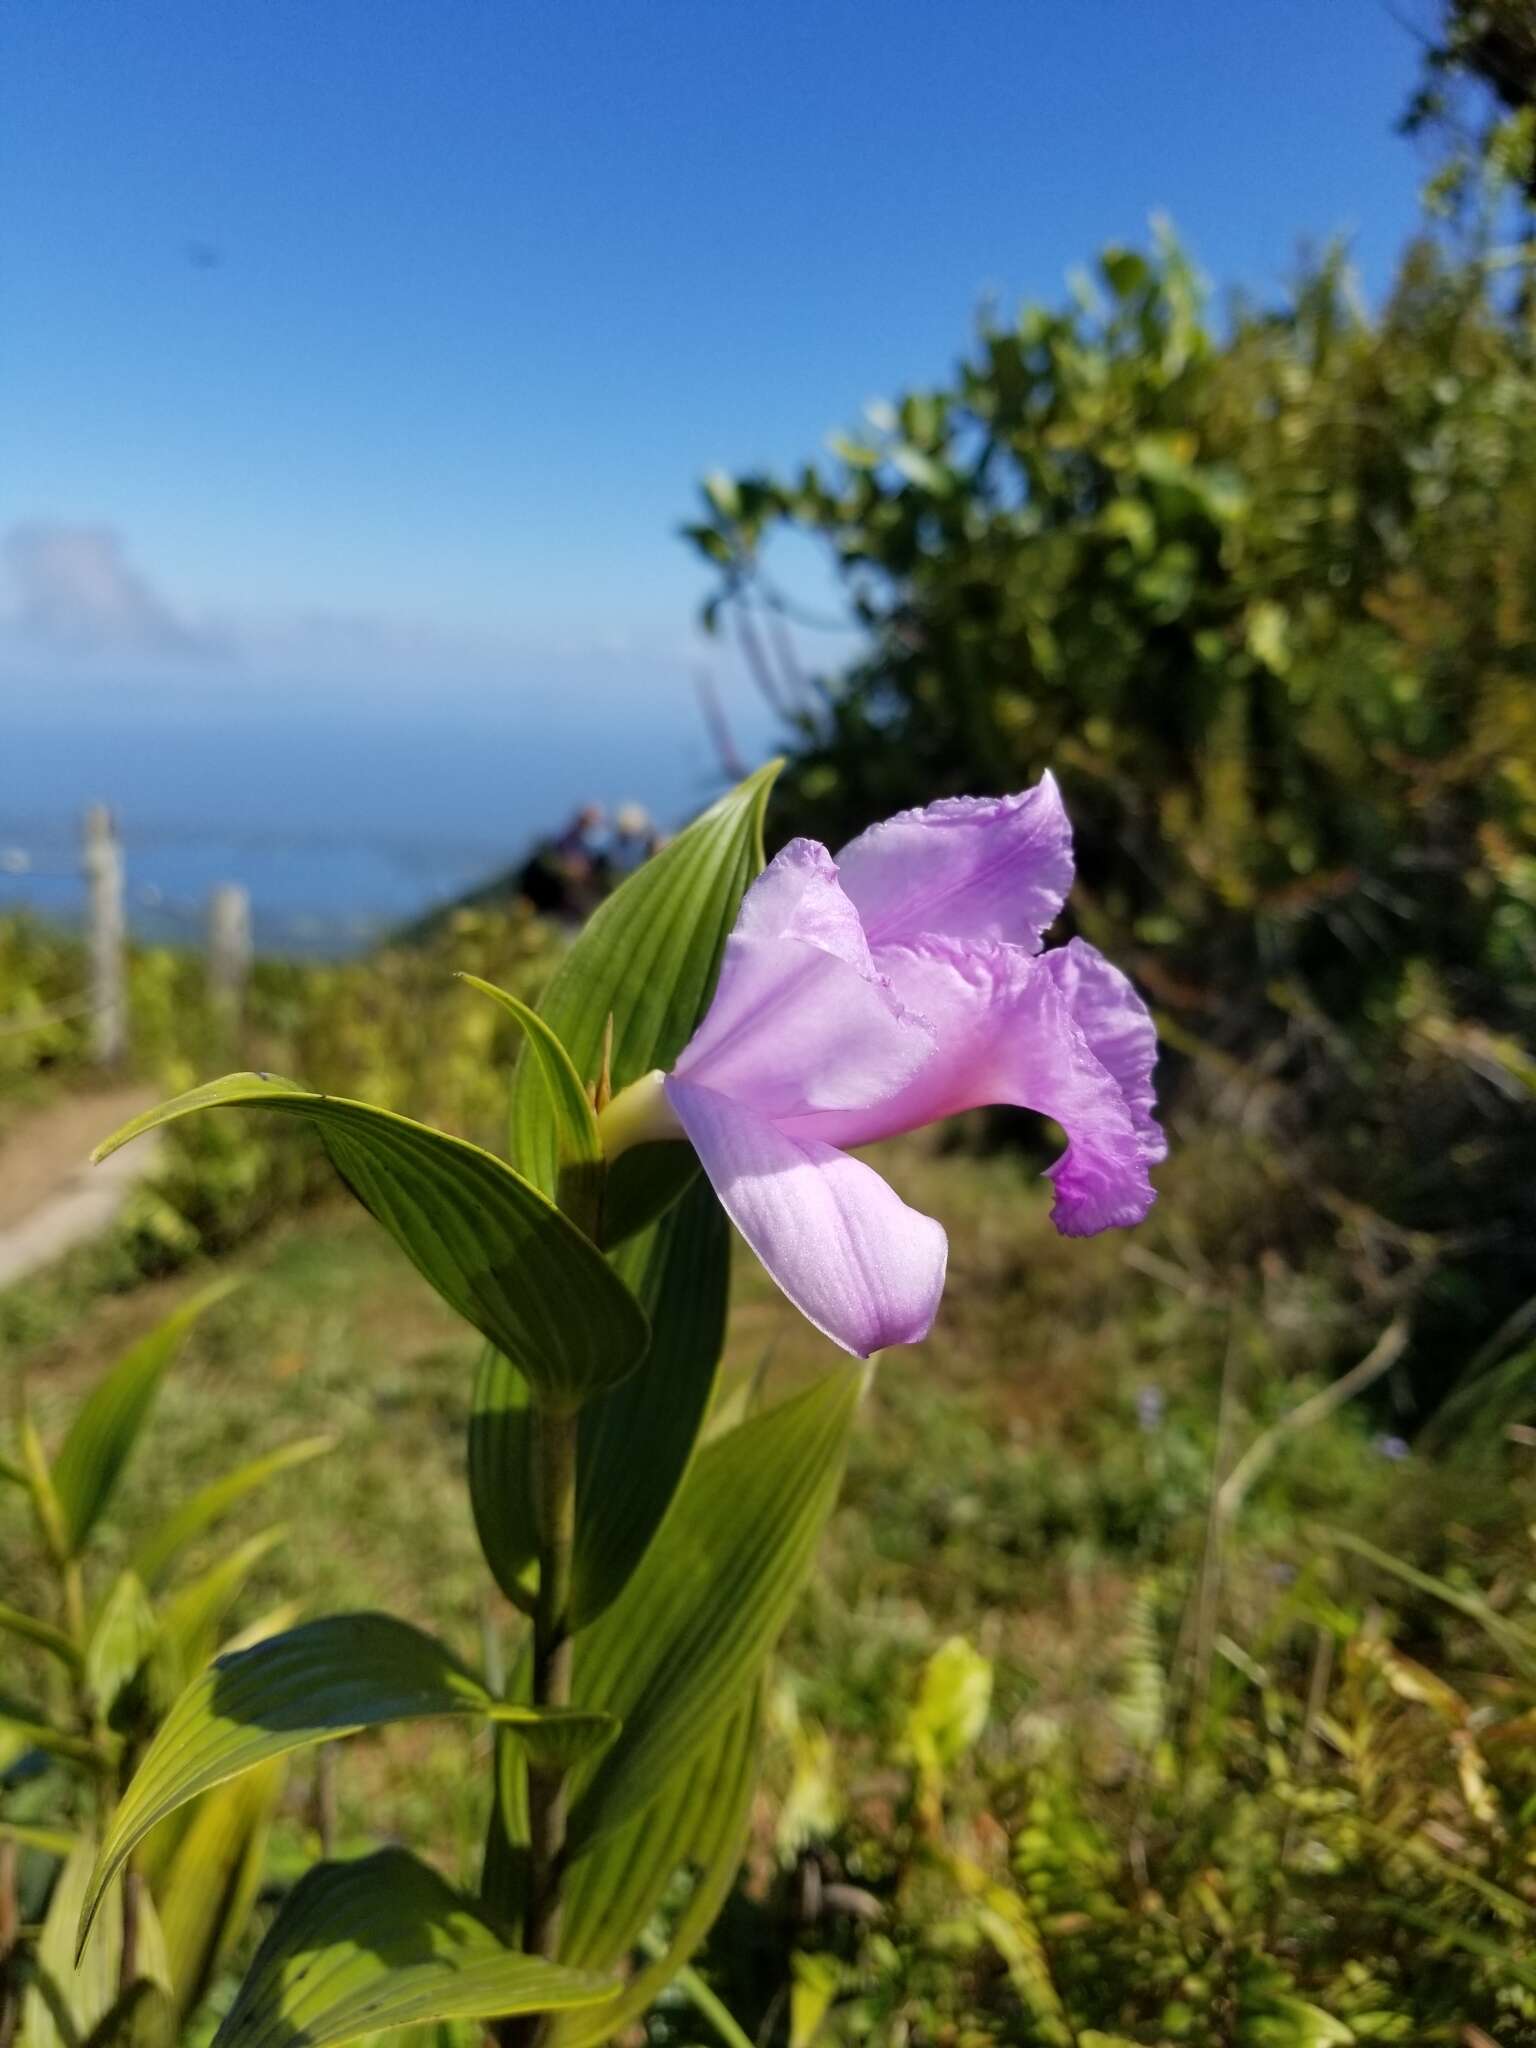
{"x": 504, "y": 1870}
{"x": 648, "y": 958}
{"x": 53, "y": 1524}
{"x": 687, "y": 1638}
{"x": 70, "y": 1997}
{"x": 209, "y": 1886}
{"x": 577, "y": 1182}
{"x": 500, "y": 1475}
{"x": 91, "y": 1458}
{"x": 637, "y": 1439}
{"x": 189, "y": 1622}
{"x": 154, "y": 1557}
{"x": 383, "y": 1942}
{"x": 122, "y": 1638}
{"x": 327, "y": 1678}
{"x": 613, "y": 1891}
{"x": 496, "y": 1249}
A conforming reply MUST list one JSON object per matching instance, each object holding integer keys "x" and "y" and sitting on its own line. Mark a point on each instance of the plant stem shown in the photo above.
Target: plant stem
{"x": 554, "y": 1460}
{"x": 74, "y": 1601}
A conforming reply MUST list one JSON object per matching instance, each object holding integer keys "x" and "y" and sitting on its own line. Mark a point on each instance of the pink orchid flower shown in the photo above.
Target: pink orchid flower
{"x": 899, "y": 983}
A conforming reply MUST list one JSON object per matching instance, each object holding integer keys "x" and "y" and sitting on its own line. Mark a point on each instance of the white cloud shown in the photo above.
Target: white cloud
{"x": 72, "y": 590}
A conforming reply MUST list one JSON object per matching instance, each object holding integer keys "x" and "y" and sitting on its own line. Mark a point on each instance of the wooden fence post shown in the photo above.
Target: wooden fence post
{"x": 103, "y": 860}
{"x": 229, "y": 950}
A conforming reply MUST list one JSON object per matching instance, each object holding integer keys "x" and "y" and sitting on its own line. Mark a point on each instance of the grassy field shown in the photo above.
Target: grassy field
{"x": 1037, "y": 1480}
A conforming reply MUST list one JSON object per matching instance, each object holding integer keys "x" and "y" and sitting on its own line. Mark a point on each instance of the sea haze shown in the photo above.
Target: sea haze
{"x": 341, "y": 817}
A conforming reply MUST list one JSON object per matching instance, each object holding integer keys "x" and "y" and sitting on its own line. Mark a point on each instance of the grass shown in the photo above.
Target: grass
{"x": 1012, "y": 1478}
{"x": 1037, "y": 1478}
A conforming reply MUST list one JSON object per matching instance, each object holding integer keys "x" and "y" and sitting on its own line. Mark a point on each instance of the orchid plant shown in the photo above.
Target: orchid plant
{"x": 757, "y": 1028}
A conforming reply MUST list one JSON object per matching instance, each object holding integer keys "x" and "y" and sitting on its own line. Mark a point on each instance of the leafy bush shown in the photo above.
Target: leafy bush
{"x": 1333, "y": 1845}
{"x": 1261, "y": 597}
{"x": 109, "y": 1662}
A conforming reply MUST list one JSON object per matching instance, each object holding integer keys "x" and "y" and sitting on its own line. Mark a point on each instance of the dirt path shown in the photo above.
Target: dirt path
{"x": 51, "y": 1199}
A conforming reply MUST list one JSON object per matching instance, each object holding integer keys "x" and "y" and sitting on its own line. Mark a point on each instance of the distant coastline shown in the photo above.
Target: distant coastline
{"x": 341, "y": 831}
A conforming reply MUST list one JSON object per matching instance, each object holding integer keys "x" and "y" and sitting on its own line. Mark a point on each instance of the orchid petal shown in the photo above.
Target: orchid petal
{"x": 800, "y": 1019}
{"x": 1006, "y": 1033}
{"x": 1118, "y": 1028}
{"x": 800, "y": 895}
{"x": 852, "y": 1257}
{"x": 964, "y": 868}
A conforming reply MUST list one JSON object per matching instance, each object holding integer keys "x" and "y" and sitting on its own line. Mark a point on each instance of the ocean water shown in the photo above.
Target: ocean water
{"x": 342, "y": 819}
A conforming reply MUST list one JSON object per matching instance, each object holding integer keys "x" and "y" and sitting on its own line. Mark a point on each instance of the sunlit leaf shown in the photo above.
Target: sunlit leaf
{"x": 687, "y": 1637}
{"x": 648, "y": 958}
{"x": 189, "y": 1622}
{"x": 121, "y": 1640}
{"x": 209, "y": 1885}
{"x": 637, "y": 1439}
{"x": 29, "y": 1835}
{"x": 383, "y": 1942}
{"x": 496, "y": 1249}
{"x": 143, "y": 2016}
{"x": 68, "y": 1997}
{"x": 953, "y": 1700}
{"x": 158, "y": 1552}
{"x": 614, "y": 1889}
{"x": 327, "y": 1678}
{"x": 91, "y": 1459}
{"x": 577, "y": 1184}
{"x": 500, "y": 1474}
{"x": 52, "y": 1521}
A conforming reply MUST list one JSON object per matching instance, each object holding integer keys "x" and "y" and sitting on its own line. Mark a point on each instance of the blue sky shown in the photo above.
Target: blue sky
{"x": 349, "y": 344}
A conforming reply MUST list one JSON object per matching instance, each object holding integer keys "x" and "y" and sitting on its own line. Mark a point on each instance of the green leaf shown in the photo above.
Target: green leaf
{"x": 70, "y": 1996}
{"x": 504, "y": 1872}
{"x": 558, "y": 1738}
{"x": 676, "y": 1651}
{"x": 121, "y": 1640}
{"x": 637, "y": 1439}
{"x": 47, "y": 1508}
{"x": 648, "y": 958}
{"x": 43, "y": 1633}
{"x": 500, "y": 1474}
{"x": 189, "y": 1623}
{"x": 953, "y": 1700}
{"x": 158, "y": 1552}
{"x": 210, "y": 1885}
{"x": 383, "y": 1942}
{"x": 613, "y": 1891}
{"x": 922, "y": 471}
{"x": 497, "y": 1250}
{"x": 143, "y": 2016}
{"x": 328, "y": 1678}
{"x": 577, "y": 1185}
{"x": 47, "y": 1841}
{"x": 103, "y": 1434}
